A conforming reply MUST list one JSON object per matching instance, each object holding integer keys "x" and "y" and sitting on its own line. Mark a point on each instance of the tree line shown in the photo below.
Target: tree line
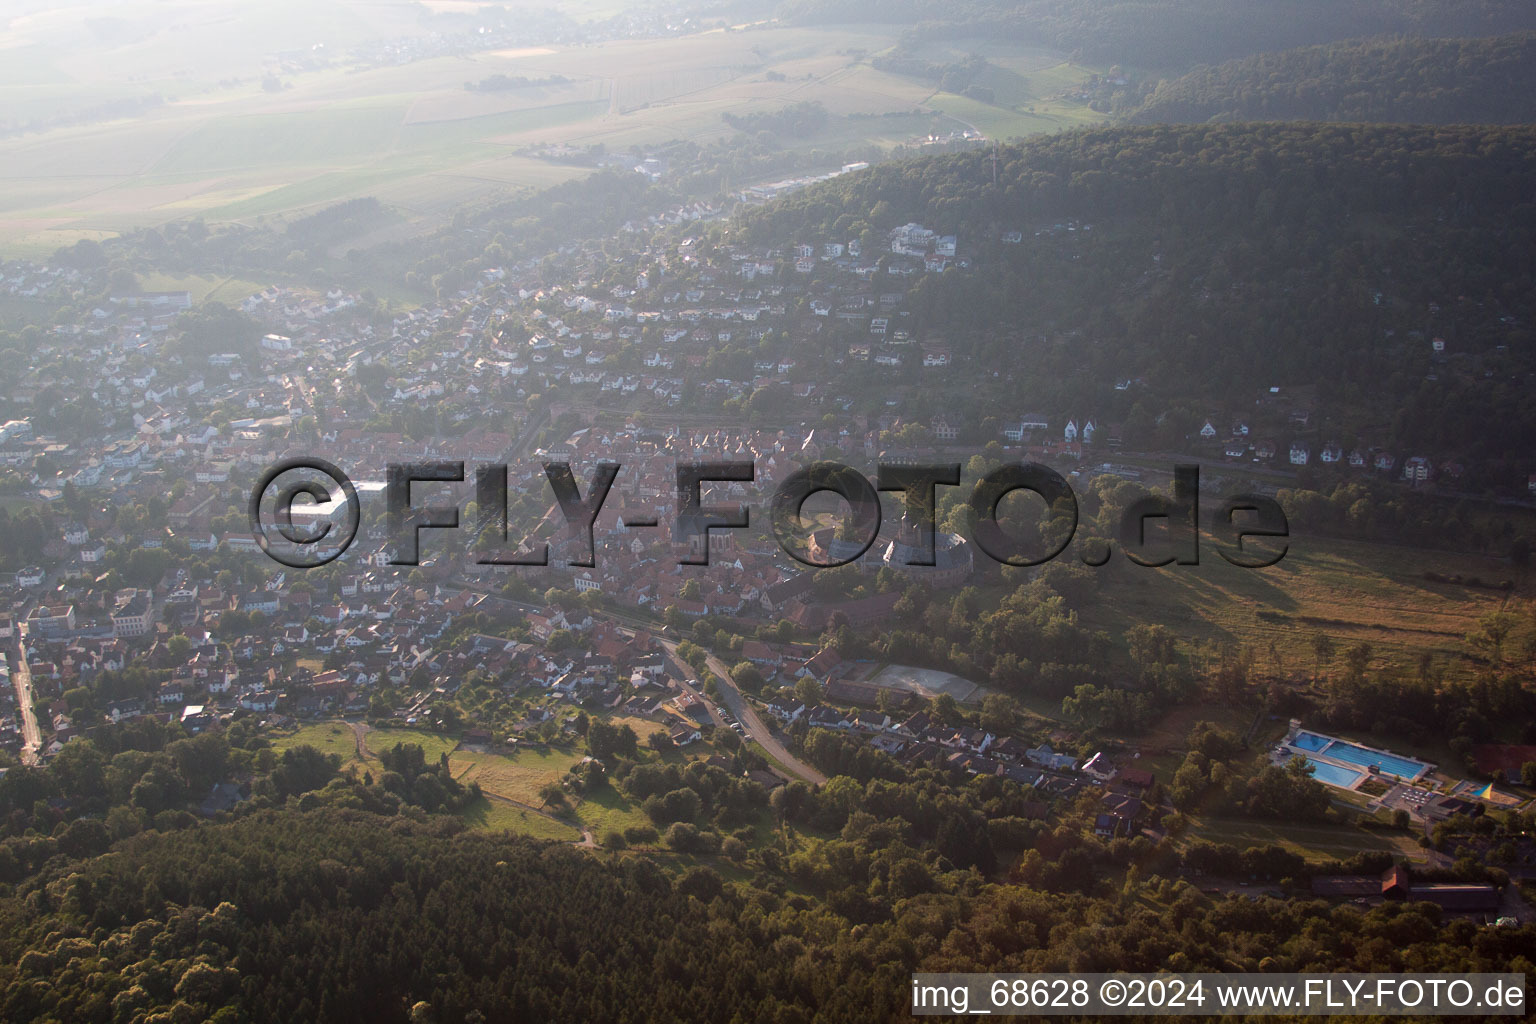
{"x": 1423, "y": 81}
{"x": 1169, "y": 34}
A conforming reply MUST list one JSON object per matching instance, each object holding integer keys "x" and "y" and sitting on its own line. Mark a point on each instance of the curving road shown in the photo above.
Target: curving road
{"x": 731, "y": 697}
{"x": 737, "y": 705}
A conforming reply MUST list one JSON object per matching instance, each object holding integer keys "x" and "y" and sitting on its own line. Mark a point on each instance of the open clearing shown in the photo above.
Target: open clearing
{"x": 204, "y": 288}
{"x": 336, "y": 737}
{"x": 605, "y": 810}
{"x": 433, "y": 745}
{"x": 494, "y": 816}
{"x": 326, "y": 737}
{"x": 1314, "y": 842}
{"x": 518, "y": 777}
{"x": 1349, "y": 590}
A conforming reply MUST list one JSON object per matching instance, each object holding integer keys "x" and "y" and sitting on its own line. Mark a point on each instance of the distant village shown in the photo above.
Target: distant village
{"x": 640, "y": 334}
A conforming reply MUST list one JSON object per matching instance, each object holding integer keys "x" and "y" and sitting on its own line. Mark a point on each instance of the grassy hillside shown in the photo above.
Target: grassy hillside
{"x": 1350, "y": 591}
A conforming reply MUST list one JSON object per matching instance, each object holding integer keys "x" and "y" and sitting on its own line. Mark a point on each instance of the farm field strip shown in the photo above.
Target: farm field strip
{"x": 415, "y": 137}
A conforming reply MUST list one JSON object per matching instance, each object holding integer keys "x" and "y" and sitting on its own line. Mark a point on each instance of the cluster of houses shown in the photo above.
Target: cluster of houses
{"x": 375, "y": 630}
{"x": 326, "y": 354}
{"x": 922, "y": 739}
{"x": 646, "y": 326}
{"x": 1238, "y": 443}
{"x": 372, "y": 631}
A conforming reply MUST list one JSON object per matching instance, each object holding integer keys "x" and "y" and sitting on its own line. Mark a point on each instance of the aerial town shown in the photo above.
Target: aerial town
{"x": 172, "y": 602}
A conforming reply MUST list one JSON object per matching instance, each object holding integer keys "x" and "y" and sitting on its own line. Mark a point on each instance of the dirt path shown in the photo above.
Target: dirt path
{"x": 587, "y": 840}
{"x": 360, "y": 731}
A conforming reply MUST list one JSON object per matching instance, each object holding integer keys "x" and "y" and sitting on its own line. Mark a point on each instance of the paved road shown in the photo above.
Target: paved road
{"x": 21, "y": 678}
{"x": 731, "y": 697}
{"x": 747, "y": 716}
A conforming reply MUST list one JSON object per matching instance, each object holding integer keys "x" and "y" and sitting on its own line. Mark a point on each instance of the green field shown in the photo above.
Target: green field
{"x": 327, "y": 737}
{"x": 494, "y": 816}
{"x": 518, "y": 777}
{"x": 433, "y": 745}
{"x": 605, "y": 810}
{"x": 1314, "y": 842}
{"x": 204, "y": 288}
{"x": 1351, "y": 591}
{"x": 643, "y": 727}
{"x": 998, "y": 122}
{"x": 509, "y": 778}
{"x": 221, "y": 147}
{"x": 336, "y": 737}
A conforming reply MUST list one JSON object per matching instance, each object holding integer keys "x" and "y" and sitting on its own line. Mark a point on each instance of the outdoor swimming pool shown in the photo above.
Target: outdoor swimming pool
{"x": 1388, "y": 764}
{"x": 1332, "y": 774}
{"x": 1350, "y": 753}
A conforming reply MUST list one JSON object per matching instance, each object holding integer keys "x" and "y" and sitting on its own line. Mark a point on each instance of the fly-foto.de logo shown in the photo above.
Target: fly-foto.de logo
{"x": 1154, "y": 530}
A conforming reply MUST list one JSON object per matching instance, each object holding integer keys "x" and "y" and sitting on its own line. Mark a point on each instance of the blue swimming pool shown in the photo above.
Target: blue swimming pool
{"x": 1332, "y": 774}
{"x": 1310, "y": 741}
{"x": 1387, "y": 764}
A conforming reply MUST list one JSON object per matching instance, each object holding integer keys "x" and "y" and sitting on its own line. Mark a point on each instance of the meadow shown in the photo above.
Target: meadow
{"x": 1352, "y": 591}
{"x": 494, "y": 816}
{"x": 510, "y": 782}
{"x": 204, "y": 288}
{"x": 1314, "y": 842}
{"x": 326, "y": 737}
{"x": 433, "y": 745}
{"x": 517, "y": 777}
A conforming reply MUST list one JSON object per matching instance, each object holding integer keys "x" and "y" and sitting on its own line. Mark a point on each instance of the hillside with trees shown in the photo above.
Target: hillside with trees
{"x": 1425, "y": 81}
{"x": 341, "y": 915}
{"x": 1172, "y": 34}
{"x": 1225, "y": 260}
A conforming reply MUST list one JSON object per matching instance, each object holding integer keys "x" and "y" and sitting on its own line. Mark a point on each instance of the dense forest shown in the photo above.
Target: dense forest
{"x": 1219, "y": 261}
{"x": 1173, "y": 34}
{"x": 340, "y": 915}
{"x": 1425, "y": 81}
{"x": 797, "y": 121}
{"x": 338, "y": 895}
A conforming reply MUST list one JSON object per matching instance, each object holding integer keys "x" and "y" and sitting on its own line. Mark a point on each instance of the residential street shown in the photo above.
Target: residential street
{"x": 737, "y": 705}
